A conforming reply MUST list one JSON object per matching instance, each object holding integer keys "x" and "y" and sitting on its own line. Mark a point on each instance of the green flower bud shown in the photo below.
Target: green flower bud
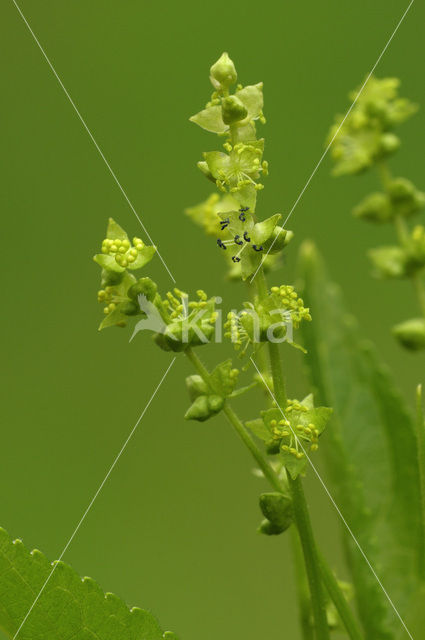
{"x": 144, "y": 286}
{"x": 374, "y": 208}
{"x": 215, "y": 403}
{"x": 233, "y": 110}
{"x": 277, "y": 509}
{"x": 278, "y": 240}
{"x": 411, "y": 334}
{"x": 196, "y": 386}
{"x": 204, "y": 407}
{"x": 401, "y": 189}
{"x": 269, "y": 529}
{"x": 223, "y": 72}
{"x": 389, "y": 143}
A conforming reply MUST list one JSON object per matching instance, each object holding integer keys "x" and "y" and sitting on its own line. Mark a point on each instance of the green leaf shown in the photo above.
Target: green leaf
{"x": 223, "y": 378}
{"x": 252, "y": 98}
{"x": 210, "y": 119}
{"x": 263, "y": 230}
{"x": 108, "y": 262}
{"x": 114, "y": 231}
{"x": 69, "y": 607}
{"x": 114, "y": 318}
{"x": 259, "y": 429}
{"x": 370, "y": 451}
{"x": 144, "y": 256}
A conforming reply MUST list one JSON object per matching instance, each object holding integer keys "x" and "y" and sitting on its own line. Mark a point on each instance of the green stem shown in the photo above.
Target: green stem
{"x": 303, "y": 593}
{"x": 420, "y": 436}
{"x": 237, "y": 424}
{"x": 302, "y": 518}
{"x": 308, "y": 544}
{"x": 339, "y": 600}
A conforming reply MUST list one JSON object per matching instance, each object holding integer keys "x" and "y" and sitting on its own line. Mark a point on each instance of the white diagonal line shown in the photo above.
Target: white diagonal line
{"x": 333, "y": 502}
{"x": 83, "y": 122}
{"x": 117, "y": 457}
{"x": 322, "y": 157}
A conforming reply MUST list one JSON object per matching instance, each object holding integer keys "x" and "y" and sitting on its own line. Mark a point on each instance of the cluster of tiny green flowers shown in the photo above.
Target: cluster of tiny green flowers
{"x": 124, "y": 252}
{"x": 109, "y": 296}
{"x": 177, "y": 305}
{"x": 245, "y": 168}
{"x": 291, "y": 301}
{"x": 306, "y": 433}
{"x": 235, "y": 331}
{"x": 366, "y": 136}
{"x": 365, "y": 140}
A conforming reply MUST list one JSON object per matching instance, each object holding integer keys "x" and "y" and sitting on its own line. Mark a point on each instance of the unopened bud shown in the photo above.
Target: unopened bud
{"x": 223, "y": 72}
{"x": 233, "y": 110}
{"x": 411, "y": 334}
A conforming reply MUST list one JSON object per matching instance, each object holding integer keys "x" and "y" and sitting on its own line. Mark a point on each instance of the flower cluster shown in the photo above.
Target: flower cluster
{"x": 366, "y": 138}
{"x": 270, "y": 319}
{"x": 118, "y": 256}
{"x": 367, "y": 135}
{"x": 292, "y": 431}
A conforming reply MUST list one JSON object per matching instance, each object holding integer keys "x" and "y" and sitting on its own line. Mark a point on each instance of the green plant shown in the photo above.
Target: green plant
{"x": 374, "y": 449}
{"x": 366, "y": 140}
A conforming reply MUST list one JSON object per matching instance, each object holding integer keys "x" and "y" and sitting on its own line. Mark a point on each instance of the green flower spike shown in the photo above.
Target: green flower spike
{"x": 295, "y": 434}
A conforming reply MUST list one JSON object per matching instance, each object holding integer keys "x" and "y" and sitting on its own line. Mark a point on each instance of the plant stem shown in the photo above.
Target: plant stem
{"x": 303, "y": 593}
{"x": 420, "y": 437}
{"x": 302, "y": 518}
{"x": 339, "y": 600}
{"x": 305, "y": 531}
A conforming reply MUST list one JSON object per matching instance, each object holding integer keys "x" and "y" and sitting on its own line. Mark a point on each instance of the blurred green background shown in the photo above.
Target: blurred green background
{"x": 174, "y": 529}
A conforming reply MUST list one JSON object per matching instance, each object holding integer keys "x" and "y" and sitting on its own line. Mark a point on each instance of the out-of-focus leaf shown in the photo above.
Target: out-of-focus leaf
{"x": 370, "y": 450}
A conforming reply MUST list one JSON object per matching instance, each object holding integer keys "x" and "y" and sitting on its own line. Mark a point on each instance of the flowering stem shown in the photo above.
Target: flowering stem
{"x": 302, "y": 518}
{"x": 402, "y": 231}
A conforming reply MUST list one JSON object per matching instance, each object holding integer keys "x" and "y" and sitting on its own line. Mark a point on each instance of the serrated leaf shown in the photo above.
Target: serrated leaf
{"x": 68, "y": 608}
{"x": 210, "y": 119}
{"x": 114, "y": 231}
{"x": 370, "y": 452}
